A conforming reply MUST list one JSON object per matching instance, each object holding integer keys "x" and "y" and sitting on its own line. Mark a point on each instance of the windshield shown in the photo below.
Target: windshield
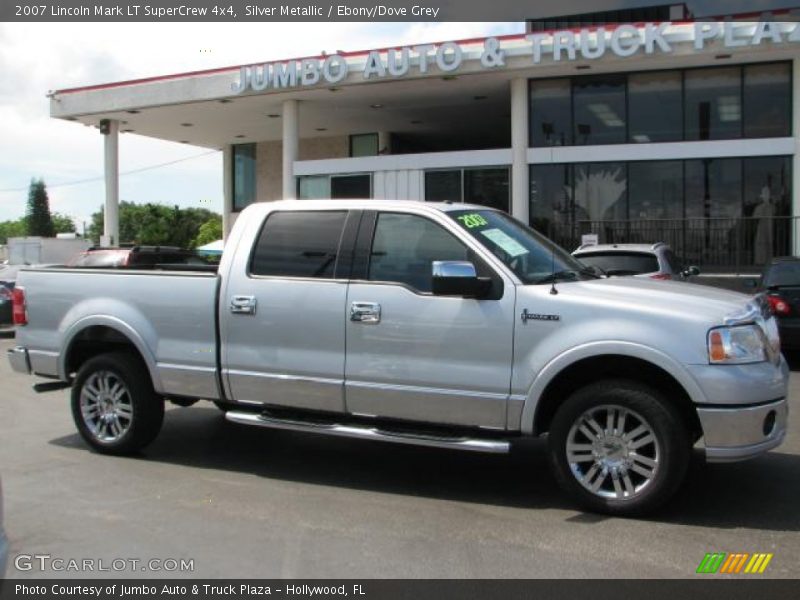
{"x": 532, "y": 257}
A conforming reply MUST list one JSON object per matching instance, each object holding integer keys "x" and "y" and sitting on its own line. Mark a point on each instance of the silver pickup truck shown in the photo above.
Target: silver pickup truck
{"x": 443, "y": 325}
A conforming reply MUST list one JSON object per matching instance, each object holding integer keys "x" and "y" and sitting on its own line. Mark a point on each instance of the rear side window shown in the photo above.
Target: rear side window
{"x": 616, "y": 263}
{"x": 299, "y": 244}
{"x": 405, "y": 246}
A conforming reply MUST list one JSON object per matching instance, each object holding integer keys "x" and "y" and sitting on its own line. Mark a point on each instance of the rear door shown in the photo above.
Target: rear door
{"x": 284, "y": 333}
{"x": 422, "y": 357}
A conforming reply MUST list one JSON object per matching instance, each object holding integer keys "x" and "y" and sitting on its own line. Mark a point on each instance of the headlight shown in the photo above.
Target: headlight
{"x": 736, "y": 345}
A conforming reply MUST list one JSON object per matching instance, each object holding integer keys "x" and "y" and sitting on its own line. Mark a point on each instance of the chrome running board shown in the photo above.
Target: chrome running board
{"x": 372, "y": 433}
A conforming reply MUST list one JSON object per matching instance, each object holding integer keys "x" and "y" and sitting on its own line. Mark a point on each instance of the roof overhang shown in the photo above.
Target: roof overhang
{"x": 377, "y": 90}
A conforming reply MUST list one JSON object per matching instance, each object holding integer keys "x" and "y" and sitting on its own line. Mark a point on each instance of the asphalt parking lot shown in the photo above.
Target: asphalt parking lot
{"x": 242, "y": 502}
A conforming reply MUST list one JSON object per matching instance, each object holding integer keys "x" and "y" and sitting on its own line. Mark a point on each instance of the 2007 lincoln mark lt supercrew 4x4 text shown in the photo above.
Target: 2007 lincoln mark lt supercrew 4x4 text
{"x": 442, "y": 325}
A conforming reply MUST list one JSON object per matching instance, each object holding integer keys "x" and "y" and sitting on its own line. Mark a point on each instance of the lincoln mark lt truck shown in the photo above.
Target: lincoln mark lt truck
{"x": 444, "y": 325}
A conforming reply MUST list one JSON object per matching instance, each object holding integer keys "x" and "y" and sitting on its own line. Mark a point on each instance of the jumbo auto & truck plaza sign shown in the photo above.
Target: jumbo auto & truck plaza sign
{"x": 568, "y": 45}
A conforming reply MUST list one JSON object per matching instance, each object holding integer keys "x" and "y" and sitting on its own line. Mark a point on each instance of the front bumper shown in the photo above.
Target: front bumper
{"x": 19, "y": 359}
{"x": 742, "y": 432}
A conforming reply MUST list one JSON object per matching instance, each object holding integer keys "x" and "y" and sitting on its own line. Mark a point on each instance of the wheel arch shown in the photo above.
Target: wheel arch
{"x": 96, "y": 335}
{"x": 583, "y": 365}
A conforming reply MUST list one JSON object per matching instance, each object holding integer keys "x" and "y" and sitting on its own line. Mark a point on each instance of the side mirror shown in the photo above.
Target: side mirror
{"x": 691, "y": 271}
{"x": 458, "y": 278}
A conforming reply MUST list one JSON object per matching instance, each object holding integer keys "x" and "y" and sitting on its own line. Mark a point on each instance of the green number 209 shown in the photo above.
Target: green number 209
{"x": 473, "y": 220}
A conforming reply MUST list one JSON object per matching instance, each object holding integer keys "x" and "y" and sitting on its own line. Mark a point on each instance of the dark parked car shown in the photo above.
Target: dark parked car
{"x": 780, "y": 286}
{"x": 8, "y": 275}
{"x": 135, "y": 257}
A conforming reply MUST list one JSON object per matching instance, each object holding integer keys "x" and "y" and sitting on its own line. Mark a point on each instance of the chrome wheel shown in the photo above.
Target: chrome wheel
{"x": 106, "y": 406}
{"x": 613, "y": 452}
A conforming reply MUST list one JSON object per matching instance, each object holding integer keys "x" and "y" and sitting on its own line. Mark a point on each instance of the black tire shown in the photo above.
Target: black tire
{"x": 625, "y": 490}
{"x": 145, "y": 407}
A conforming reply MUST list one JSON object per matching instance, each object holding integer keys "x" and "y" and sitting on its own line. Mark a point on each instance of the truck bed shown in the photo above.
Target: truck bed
{"x": 170, "y": 315}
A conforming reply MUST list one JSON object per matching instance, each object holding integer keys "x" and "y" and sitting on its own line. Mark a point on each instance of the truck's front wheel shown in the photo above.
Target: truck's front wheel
{"x": 114, "y": 405}
{"x": 618, "y": 447}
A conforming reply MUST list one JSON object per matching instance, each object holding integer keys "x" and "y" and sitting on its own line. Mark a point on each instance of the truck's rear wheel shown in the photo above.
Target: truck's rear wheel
{"x": 619, "y": 448}
{"x": 114, "y": 405}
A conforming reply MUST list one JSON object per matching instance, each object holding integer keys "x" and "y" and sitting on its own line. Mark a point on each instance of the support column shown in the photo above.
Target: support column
{"x": 110, "y": 130}
{"x": 796, "y": 159}
{"x": 290, "y": 145}
{"x": 520, "y": 192}
{"x": 228, "y": 216}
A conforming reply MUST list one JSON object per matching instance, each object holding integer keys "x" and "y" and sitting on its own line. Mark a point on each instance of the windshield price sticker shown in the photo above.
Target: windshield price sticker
{"x": 473, "y": 220}
{"x": 508, "y": 244}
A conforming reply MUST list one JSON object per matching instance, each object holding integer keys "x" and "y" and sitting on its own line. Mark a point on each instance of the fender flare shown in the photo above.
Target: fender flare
{"x": 597, "y": 349}
{"x": 120, "y": 327}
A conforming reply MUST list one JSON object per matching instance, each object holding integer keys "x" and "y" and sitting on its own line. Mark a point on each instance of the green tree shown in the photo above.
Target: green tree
{"x": 38, "y": 217}
{"x": 9, "y": 229}
{"x": 155, "y": 224}
{"x": 210, "y": 231}
{"x": 63, "y": 223}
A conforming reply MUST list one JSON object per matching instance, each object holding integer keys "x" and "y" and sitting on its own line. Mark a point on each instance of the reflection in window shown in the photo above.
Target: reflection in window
{"x": 405, "y": 246}
{"x": 655, "y": 190}
{"x": 600, "y": 192}
{"x": 713, "y": 104}
{"x": 441, "y": 186}
{"x": 655, "y": 105}
{"x": 551, "y": 200}
{"x": 767, "y": 100}
{"x": 767, "y": 194}
{"x": 551, "y": 118}
{"x": 298, "y": 244}
{"x": 487, "y": 187}
{"x": 244, "y": 175}
{"x": 599, "y": 110}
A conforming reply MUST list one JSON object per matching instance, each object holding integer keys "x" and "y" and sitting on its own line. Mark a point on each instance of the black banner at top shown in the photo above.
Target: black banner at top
{"x": 564, "y": 12}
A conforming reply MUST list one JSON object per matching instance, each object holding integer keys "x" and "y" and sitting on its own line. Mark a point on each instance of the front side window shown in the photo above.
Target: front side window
{"x": 405, "y": 246}
{"x": 531, "y": 256}
{"x": 299, "y": 244}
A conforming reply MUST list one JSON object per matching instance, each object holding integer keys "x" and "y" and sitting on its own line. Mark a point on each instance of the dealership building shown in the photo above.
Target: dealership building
{"x": 664, "y": 130}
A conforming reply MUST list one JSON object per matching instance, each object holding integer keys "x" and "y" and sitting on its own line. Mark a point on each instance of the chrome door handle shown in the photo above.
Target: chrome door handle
{"x": 243, "y": 305}
{"x": 365, "y": 312}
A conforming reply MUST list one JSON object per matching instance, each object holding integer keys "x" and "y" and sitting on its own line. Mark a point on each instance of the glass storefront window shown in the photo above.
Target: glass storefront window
{"x": 717, "y": 103}
{"x": 655, "y": 190}
{"x": 351, "y": 186}
{"x": 364, "y": 144}
{"x": 550, "y": 112}
{"x": 314, "y": 187}
{"x": 713, "y": 100}
{"x": 442, "y": 186}
{"x": 551, "y": 200}
{"x": 487, "y": 187}
{"x": 655, "y": 107}
{"x": 599, "y": 110}
{"x": 244, "y": 175}
{"x": 767, "y": 100}
{"x": 600, "y": 192}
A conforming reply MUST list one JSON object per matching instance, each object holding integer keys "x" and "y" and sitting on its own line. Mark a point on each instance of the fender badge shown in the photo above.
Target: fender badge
{"x": 526, "y": 316}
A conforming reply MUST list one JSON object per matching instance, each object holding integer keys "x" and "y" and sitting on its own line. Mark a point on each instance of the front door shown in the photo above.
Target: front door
{"x": 283, "y": 332}
{"x": 415, "y": 356}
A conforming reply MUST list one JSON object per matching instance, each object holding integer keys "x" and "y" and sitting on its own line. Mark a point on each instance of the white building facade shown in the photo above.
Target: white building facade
{"x": 681, "y": 132}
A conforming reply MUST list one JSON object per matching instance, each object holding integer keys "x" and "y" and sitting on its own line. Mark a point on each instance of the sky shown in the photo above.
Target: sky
{"x": 38, "y": 57}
